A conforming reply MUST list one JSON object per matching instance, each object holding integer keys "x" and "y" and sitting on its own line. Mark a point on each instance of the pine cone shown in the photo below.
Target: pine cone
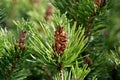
{"x": 100, "y": 3}
{"x": 60, "y": 40}
{"x": 49, "y": 13}
{"x": 21, "y": 41}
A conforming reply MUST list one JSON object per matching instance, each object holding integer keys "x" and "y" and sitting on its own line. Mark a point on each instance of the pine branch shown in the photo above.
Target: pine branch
{"x": 12, "y": 59}
{"x": 83, "y": 12}
{"x": 17, "y": 58}
{"x": 12, "y": 67}
{"x": 89, "y": 24}
{"x": 60, "y": 48}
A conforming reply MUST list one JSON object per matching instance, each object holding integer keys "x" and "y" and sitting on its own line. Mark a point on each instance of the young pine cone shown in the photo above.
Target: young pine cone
{"x": 49, "y": 13}
{"x": 60, "y": 40}
{"x": 21, "y": 41}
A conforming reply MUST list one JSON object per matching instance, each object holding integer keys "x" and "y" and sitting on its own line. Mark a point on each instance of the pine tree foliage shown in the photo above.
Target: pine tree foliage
{"x": 81, "y": 8}
{"x": 84, "y": 12}
{"x": 77, "y": 40}
{"x": 42, "y": 50}
{"x": 80, "y": 73}
{"x": 2, "y": 15}
{"x": 43, "y": 45}
{"x": 95, "y": 15}
{"x": 76, "y": 73}
{"x": 12, "y": 59}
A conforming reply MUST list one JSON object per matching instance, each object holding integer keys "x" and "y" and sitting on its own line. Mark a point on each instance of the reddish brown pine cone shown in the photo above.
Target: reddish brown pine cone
{"x": 22, "y": 36}
{"x": 21, "y": 41}
{"x": 49, "y": 13}
{"x": 22, "y": 46}
{"x": 60, "y": 40}
{"x": 100, "y": 3}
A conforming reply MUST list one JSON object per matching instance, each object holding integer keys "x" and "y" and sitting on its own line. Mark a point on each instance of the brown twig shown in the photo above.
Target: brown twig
{"x": 89, "y": 24}
{"x": 60, "y": 70}
{"x": 99, "y": 3}
{"x": 15, "y": 60}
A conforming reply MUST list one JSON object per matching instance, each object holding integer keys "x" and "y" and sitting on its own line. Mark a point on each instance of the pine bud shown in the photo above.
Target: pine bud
{"x": 60, "y": 40}
{"x": 49, "y": 13}
{"x": 22, "y": 36}
{"x": 100, "y": 3}
{"x": 88, "y": 61}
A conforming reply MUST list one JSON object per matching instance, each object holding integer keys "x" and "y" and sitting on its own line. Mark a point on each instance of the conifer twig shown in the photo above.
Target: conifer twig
{"x": 89, "y": 24}
{"x": 17, "y": 57}
{"x": 12, "y": 68}
{"x": 60, "y": 70}
{"x": 61, "y": 74}
{"x": 100, "y": 4}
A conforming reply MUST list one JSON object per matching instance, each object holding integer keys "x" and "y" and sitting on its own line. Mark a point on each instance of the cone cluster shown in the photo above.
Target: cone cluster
{"x": 60, "y": 40}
